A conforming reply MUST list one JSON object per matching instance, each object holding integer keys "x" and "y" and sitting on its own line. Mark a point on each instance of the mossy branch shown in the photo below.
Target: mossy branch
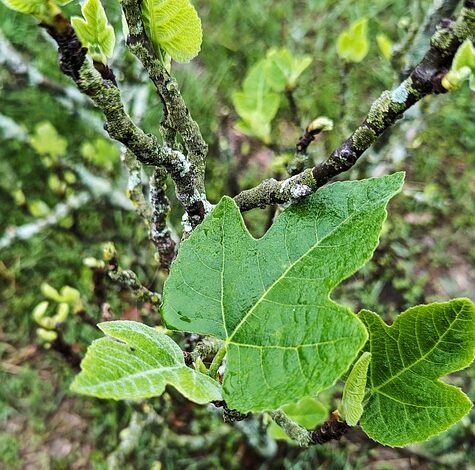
{"x": 176, "y": 116}
{"x": 160, "y": 234}
{"x": 101, "y": 88}
{"x": 424, "y": 80}
{"x": 332, "y": 429}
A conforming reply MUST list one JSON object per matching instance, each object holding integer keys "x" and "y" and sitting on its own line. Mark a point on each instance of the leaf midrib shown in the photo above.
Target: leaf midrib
{"x": 282, "y": 276}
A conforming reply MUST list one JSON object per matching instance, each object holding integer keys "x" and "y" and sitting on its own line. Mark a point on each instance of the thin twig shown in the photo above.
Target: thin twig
{"x": 294, "y": 110}
{"x": 126, "y": 278}
{"x": 332, "y": 429}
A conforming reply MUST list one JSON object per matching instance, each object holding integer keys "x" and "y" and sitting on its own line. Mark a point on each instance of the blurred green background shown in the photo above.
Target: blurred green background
{"x": 53, "y": 150}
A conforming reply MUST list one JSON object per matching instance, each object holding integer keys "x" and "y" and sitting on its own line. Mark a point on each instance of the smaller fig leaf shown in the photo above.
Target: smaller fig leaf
{"x": 408, "y": 402}
{"x": 135, "y": 362}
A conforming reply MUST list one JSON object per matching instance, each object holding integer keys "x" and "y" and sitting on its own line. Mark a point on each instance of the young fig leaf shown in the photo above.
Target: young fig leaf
{"x": 32, "y": 7}
{"x": 257, "y": 104}
{"x": 268, "y": 299}
{"x": 385, "y": 45}
{"x": 174, "y": 26}
{"x": 408, "y": 402}
{"x": 353, "y": 393}
{"x": 463, "y": 67}
{"x": 134, "y": 362}
{"x": 94, "y": 31}
{"x": 47, "y": 141}
{"x": 284, "y": 68}
{"x": 353, "y": 44}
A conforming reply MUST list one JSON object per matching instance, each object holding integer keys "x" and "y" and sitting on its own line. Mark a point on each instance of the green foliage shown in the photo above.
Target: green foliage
{"x": 285, "y": 68}
{"x": 100, "y": 152}
{"x": 174, "y": 27}
{"x": 353, "y": 44}
{"x": 38, "y": 208}
{"x": 433, "y": 242}
{"x": 50, "y": 322}
{"x": 308, "y": 412}
{"x": 94, "y": 32}
{"x": 26, "y": 6}
{"x": 353, "y": 393}
{"x": 268, "y": 299}
{"x": 463, "y": 67}
{"x": 135, "y": 362}
{"x": 68, "y": 294}
{"x": 407, "y": 402}
{"x": 257, "y": 104}
{"x": 47, "y": 142}
{"x": 66, "y": 299}
{"x": 258, "y": 101}
{"x": 43, "y": 10}
{"x": 9, "y": 450}
{"x": 385, "y": 45}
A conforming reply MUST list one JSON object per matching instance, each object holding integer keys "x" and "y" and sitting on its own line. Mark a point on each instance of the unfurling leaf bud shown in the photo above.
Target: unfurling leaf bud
{"x": 109, "y": 252}
{"x": 39, "y": 311}
{"x": 46, "y": 336}
{"x": 320, "y": 124}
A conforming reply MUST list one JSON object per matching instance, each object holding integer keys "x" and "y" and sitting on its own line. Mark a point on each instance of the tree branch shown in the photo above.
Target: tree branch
{"x": 159, "y": 232}
{"x": 385, "y": 111}
{"x": 332, "y": 429}
{"x": 126, "y": 278}
{"x": 177, "y": 117}
{"x": 439, "y": 10}
{"x": 101, "y": 88}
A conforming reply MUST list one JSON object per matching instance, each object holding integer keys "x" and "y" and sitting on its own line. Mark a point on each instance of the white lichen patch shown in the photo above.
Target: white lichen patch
{"x": 288, "y": 182}
{"x": 206, "y": 204}
{"x": 400, "y": 94}
{"x": 181, "y": 163}
{"x": 299, "y": 191}
{"x": 185, "y": 221}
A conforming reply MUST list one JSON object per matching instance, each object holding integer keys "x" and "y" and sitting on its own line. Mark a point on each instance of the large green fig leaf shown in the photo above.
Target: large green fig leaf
{"x": 174, "y": 26}
{"x": 268, "y": 299}
{"x": 408, "y": 402}
{"x": 135, "y": 362}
